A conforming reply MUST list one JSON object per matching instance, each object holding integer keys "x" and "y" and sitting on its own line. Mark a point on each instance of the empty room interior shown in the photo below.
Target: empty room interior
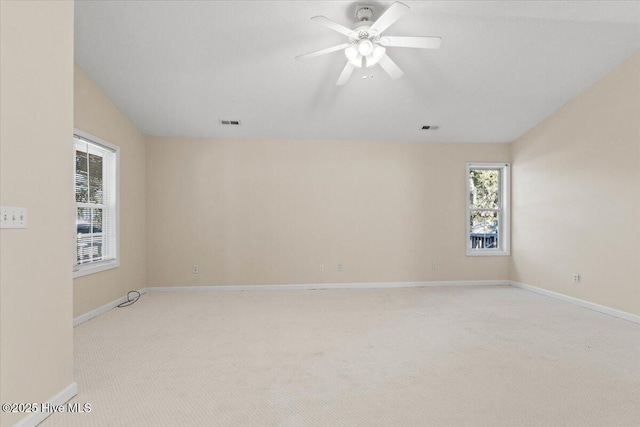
{"x": 320, "y": 213}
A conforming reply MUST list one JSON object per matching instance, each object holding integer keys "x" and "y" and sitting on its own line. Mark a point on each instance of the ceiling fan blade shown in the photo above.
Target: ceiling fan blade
{"x": 391, "y": 15}
{"x": 323, "y": 51}
{"x": 346, "y": 73}
{"x": 419, "y": 42}
{"x": 390, "y": 67}
{"x": 333, "y": 25}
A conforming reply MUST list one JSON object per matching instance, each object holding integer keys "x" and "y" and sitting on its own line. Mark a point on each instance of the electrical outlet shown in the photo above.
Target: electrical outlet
{"x": 321, "y": 267}
{"x": 576, "y": 278}
{"x": 340, "y": 266}
{"x": 196, "y": 270}
{"x": 434, "y": 265}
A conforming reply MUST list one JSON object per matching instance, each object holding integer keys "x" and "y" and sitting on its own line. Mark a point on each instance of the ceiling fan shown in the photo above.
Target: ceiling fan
{"x": 366, "y": 46}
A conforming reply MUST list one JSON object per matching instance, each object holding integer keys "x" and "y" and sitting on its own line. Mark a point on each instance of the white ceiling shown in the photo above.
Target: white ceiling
{"x": 176, "y": 67}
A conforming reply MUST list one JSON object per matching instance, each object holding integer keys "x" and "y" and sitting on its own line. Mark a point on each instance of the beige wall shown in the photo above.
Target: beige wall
{"x": 576, "y": 195}
{"x": 96, "y": 114}
{"x": 36, "y": 116}
{"x": 262, "y": 212}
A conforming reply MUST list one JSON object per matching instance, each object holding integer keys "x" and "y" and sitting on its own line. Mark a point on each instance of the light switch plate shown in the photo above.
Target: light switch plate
{"x": 13, "y": 217}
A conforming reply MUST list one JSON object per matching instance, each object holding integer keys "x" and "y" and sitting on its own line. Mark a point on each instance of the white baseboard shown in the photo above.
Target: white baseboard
{"x": 586, "y": 304}
{"x": 363, "y": 285}
{"x": 312, "y": 286}
{"x": 35, "y": 418}
{"x": 320, "y": 286}
{"x": 98, "y": 311}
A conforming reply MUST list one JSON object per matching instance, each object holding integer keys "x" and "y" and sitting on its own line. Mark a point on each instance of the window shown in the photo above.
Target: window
{"x": 96, "y": 204}
{"x": 488, "y": 209}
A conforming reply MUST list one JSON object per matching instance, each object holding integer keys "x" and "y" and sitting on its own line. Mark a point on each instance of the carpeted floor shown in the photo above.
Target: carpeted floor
{"x": 473, "y": 356}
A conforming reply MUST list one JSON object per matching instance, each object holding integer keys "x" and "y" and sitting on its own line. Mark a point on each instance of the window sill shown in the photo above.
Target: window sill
{"x": 488, "y": 253}
{"x": 85, "y": 270}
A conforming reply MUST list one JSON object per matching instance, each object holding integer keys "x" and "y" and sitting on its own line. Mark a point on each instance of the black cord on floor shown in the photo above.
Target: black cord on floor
{"x": 129, "y": 300}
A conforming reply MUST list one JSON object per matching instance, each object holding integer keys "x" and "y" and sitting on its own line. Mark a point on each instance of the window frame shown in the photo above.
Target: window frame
{"x": 80, "y": 270}
{"x": 504, "y": 211}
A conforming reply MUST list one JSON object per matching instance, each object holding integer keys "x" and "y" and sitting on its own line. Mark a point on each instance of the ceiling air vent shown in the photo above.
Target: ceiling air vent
{"x": 229, "y": 122}
{"x": 429, "y": 127}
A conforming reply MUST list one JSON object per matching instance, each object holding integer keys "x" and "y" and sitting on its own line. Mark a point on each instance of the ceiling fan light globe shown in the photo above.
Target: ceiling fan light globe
{"x": 351, "y": 52}
{"x": 365, "y": 47}
{"x": 372, "y": 60}
{"x": 357, "y": 61}
{"x": 378, "y": 52}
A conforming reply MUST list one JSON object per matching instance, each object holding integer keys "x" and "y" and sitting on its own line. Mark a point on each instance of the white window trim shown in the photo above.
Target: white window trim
{"x": 504, "y": 231}
{"x": 80, "y": 270}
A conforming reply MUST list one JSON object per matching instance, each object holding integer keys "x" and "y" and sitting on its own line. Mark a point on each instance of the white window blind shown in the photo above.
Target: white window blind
{"x": 95, "y": 204}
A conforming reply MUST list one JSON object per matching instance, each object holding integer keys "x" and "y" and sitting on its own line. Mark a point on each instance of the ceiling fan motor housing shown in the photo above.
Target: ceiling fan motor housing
{"x": 364, "y": 12}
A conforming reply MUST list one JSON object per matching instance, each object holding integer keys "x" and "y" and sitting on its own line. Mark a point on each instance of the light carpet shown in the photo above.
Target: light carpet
{"x": 474, "y": 356}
